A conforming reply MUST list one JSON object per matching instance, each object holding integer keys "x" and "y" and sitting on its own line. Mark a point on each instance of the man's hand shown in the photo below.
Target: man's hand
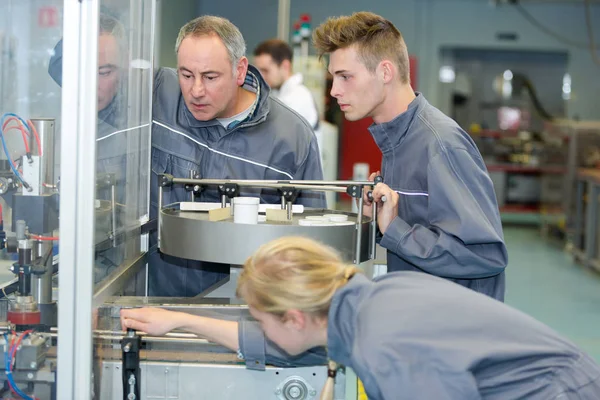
{"x": 387, "y": 205}
{"x": 367, "y": 204}
{"x": 153, "y": 321}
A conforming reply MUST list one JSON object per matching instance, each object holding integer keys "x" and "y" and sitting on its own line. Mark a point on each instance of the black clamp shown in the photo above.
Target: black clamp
{"x": 131, "y": 346}
{"x": 289, "y": 194}
{"x": 354, "y": 191}
{"x": 165, "y": 180}
{"x": 378, "y": 179}
{"x": 230, "y": 190}
{"x": 197, "y": 189}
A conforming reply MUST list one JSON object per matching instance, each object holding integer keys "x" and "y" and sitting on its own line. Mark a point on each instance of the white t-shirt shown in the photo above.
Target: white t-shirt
{"x": 297, "y": 96}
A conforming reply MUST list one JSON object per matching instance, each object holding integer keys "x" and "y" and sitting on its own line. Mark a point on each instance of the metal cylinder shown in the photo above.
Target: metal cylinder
{"x": 42, "y": 284}
{"x": 20, "y": 229}
{"x": 45, "y": 131}
{"x": 25, "y": 256}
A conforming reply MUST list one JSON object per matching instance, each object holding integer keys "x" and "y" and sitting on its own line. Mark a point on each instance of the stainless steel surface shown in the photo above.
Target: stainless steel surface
{"x": 191, "y": 235}
{"x": 45, "y": 130}
{"x": 180, "y": 380}
{"x": 41, "y": 285}
{"x": 25, "y": 244}
{"x": 117, "y": 280}
{"x": 32, "y": 174}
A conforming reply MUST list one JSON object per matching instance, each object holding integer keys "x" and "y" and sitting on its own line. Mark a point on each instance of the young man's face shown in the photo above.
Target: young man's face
{"x": 109, "y": 69}
{"x": 208, "y": 83}
{"x": 272, "y": 73}
{"x": 357, "y": 90}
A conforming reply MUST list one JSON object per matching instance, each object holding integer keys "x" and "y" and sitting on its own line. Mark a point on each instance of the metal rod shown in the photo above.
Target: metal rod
{"x": 288, "y": 207}
{"x": 261, "y": 184}
{"x": 42, "y": 291}
{"x": 247, "y": 182}
{"x": 160, "y": 206}
{"x": 283, "y": 202}
{"x": 171, "y": 337}
{"x": 113, "y": 201}
{"x": 374, "y": 231}
{"x": 223, "y": 201}
{"x": 192, "y": 176}
{"x": 359, "y": 227}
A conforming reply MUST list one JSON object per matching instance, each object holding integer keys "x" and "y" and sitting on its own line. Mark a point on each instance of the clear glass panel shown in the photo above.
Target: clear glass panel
{"x": 122, "y": 169}
{"x": 123, "y": 138}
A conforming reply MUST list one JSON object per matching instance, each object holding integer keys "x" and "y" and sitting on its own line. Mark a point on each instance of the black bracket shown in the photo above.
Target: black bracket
{"x": 230, "y": 190}
{"x": 378, "y": 179}
{"x": 354, "y": 191}
{"x": 289, "y": 194}
{"x": 165, "y": 180}
{"x": 131, "y": 346}
{"x": 197, "y": 189}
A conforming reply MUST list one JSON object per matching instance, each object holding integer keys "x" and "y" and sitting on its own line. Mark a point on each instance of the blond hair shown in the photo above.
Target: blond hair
{"x": 295, "y": 273}
{"x": 376, "y": 39}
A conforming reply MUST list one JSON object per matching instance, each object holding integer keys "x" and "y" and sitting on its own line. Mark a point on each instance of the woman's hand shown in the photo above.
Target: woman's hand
{"x": 153, "y": 321}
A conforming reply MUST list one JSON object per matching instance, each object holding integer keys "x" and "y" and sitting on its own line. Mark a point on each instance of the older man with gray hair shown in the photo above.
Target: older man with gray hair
{"x": 213, "y": 115}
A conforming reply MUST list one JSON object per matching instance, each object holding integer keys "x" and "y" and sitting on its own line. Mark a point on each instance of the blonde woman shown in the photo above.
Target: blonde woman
{"x": 407, "y": 335}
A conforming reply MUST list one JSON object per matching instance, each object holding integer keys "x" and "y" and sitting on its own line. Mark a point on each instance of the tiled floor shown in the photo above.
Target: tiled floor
{"x": 543, "y": 281}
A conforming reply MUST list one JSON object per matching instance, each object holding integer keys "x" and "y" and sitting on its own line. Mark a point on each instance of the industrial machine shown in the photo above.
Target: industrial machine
{"x": 94, "y": 263}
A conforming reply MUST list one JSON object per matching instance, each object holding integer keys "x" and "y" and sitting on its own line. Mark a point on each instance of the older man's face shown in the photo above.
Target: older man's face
{"x": 208, "y": 81}
{"x": 109, "y": 69}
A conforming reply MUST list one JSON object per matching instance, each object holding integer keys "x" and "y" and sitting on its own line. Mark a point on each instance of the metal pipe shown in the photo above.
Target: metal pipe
{"x": 45, "y": 130}
{"x": 250, "y": 182}
{"x": 160, "y": 204}
{"x": 261, "y": 184}
{"x": 113, "y": 201}
{"x": 171, "y": 337}
{"x": 42, "y": 285}
{"x": 359, "y": 227}
{"x": 374, "y": 231}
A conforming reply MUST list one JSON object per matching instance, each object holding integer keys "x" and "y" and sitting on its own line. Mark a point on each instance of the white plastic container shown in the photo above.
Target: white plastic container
{"x": 336, "y": 217}
{"x": 245, "y": 210}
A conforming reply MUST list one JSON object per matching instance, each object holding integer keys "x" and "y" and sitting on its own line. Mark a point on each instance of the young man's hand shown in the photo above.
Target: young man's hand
{"x": 153, "y": 321}
{"x": 387, "y": 205}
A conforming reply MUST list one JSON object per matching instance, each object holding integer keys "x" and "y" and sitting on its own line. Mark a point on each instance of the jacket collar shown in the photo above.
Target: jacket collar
{"x": 388, "y": 135}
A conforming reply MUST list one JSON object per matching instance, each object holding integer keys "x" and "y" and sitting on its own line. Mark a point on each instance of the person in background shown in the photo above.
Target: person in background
{"x": 407, "y": 335}
{"x": 273, "y": 58}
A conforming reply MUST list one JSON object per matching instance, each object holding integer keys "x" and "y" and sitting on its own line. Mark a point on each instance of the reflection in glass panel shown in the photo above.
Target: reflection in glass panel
{"x": 122, "y": 171}
{"x": 30, "y": 135}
